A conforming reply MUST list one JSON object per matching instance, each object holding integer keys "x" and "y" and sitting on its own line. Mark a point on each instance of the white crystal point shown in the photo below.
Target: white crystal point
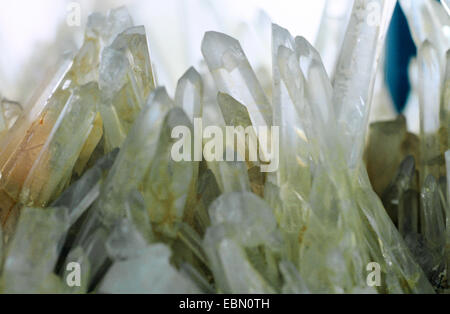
{"x": 304, "y": 48}
{"x": 233, "y": 75}
{"x": 189, "y": 94}
{"x": 281, "y": 37}
{"x": 356, "y": 72}
{"x": 150, "y": 272}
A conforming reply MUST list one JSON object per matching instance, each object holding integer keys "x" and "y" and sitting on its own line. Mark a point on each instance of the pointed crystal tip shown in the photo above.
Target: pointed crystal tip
{"x": 221, "y": 51}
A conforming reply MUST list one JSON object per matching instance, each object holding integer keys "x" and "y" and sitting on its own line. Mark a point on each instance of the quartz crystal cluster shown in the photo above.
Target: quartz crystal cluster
{"x": 87, "y": 178}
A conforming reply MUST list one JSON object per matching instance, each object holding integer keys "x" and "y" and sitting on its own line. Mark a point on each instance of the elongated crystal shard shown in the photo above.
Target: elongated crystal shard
{"x": 293, "y": 281}
{"x": 280, "y": 37}
{"x": 319, "y": 92}
{"x": 402, "y": 181}
{"x": 408, "y": 213}
{"x": 429, "y": 104}
{"x": 53, "y": 166}
{"x": 236, "y": 115}
{"x": 135, "y": 157}
{"x": 126, "y": 80}
{"x": 80, "y": 195}
{"x": 427, "y": 20}
{"x": 39, "y": 230}
{"x": 167, "y": 184}
{"x": 316, "y": 75}
{"x": 233, "y": 75}
{"x": 150, "y": 272}
{"x": 189, "y": 94}
{"x": 240, "y": 274}
{"x": 396, "y": 256}
{"x": 433, "y": 226}
{"x": 356, "y": 71}
{"x": 291, "y": 114}
{"x": 445, "y": 105}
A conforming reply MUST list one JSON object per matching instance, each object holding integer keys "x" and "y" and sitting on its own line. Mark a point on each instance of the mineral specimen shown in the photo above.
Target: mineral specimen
{"x": 92, "y": 200}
